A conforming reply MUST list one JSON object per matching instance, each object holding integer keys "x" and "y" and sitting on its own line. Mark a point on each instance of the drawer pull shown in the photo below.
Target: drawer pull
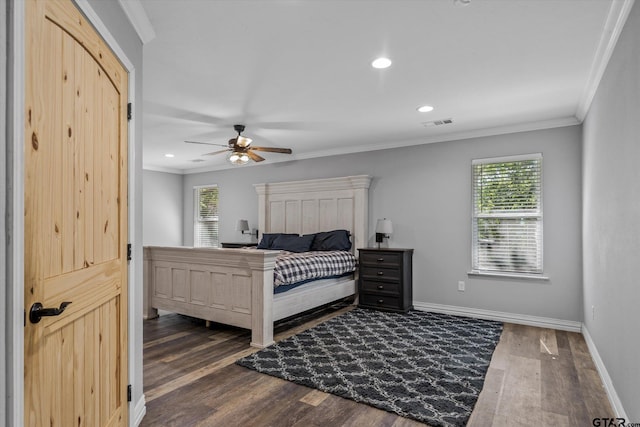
{"x": 380, "y": 273}
{"x": 380, "y": 259}
{"x": 380, "y": 301}
{"x": 380, "y": 286}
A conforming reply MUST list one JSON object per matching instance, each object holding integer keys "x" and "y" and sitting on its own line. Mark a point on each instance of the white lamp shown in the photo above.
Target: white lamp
{"x": 242, "y": 225}
{"x": 384, "y": 228}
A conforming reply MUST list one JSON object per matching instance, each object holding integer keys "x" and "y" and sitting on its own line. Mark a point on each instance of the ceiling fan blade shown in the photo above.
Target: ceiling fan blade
{"x": 217, "y": 152}
{"x": 205, "y": 143}
{"x": 272, "y": 149}
{"x": 254, "y": 156}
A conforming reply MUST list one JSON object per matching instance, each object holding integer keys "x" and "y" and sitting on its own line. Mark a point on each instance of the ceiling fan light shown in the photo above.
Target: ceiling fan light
{"x": 242, "y": 141}
{"x": 238, "y": 158}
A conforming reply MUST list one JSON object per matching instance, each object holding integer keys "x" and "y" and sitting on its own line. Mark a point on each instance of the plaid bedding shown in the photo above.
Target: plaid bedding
{"x": 292, "y": 267}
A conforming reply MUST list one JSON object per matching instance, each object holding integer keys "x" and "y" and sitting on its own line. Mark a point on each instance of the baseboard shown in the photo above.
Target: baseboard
{"x": 139, "y": 411}
{"x": 521, "y": 319}
{"x": 614, "y": 400}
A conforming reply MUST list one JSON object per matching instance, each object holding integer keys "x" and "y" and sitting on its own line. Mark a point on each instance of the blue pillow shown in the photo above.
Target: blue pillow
{"x": 268, "y": 238}
{"x": 287, "y": 242}
{"x": 336, "y": 240}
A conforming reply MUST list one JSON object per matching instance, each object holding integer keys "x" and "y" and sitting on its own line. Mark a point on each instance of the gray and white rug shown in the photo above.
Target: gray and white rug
{"x": 425, "y": 366}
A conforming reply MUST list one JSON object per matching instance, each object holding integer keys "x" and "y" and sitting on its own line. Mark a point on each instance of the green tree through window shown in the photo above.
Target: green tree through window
{"x": 206, "y": 216}
{"x": 507, "y": 214}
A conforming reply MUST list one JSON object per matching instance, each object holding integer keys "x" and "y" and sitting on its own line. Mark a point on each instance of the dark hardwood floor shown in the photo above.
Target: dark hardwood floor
{"x": 537, "y": 377}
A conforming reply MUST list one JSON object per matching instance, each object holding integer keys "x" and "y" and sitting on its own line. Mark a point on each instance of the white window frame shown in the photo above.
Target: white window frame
{"x": 196, "y": 217}
{"x": 476, "y": 269}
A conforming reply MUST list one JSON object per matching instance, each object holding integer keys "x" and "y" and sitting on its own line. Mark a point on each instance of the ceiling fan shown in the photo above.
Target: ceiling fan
{"x": 241, "y": 150}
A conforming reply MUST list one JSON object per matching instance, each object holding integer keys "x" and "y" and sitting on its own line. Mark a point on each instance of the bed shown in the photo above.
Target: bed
{"x": 236, "y": 286}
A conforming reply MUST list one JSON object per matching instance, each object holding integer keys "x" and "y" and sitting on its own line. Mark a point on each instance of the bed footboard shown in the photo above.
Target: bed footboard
{"x": 230, "y": 286}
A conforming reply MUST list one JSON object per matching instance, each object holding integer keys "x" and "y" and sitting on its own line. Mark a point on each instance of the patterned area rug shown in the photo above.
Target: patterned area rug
{"x": 425, "y": 366}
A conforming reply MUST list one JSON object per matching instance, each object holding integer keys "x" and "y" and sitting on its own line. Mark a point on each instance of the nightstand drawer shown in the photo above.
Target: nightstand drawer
{"x": 382, "y": 287}
{"x": 380, "y": 273}
{"x": 380, "y": 301}
{"x": 385, "y": 279}
{"x": 382, "y": 259}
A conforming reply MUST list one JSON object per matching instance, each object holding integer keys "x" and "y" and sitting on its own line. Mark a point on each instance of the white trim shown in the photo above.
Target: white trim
{"x": 520, "y": 319}
{"x": 196, "y": 187}
{"x": 139, "y": 411}
{"x": 514, "y": 276}
{"x": 139, "y": 19}
{"x": 455, "y": 136}
{"x": 476, "y": 269}
{"x": 95, "y": 20}
{"x": 196, "y": 216}
{"x": 15, "y": 398}
{"x": 163, "y": 169}
{"x": 614, "y": 400}
{"x": 516, "y": 158}
{"x": 135, "y": 263}
{"x": 618, "y": 14}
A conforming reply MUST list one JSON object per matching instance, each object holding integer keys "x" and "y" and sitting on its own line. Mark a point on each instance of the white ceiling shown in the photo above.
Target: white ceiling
{"x": 297, "y": 73}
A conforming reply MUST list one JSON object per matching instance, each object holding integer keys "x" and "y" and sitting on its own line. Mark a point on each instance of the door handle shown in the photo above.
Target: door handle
{"x": 37, "y": 311}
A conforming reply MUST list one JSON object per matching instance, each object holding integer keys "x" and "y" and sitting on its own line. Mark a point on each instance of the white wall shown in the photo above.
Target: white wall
{"x": 611, "y": 217}
{"x": 162, "y": 209}
{"x": 426, "y": 191}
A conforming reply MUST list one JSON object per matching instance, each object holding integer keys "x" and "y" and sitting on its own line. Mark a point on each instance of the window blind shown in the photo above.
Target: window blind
{"x": 507, "y": 214}
{"x": 206, "y": 217}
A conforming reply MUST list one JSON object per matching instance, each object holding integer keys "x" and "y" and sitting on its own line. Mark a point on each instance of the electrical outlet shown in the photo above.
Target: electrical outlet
{"x": 461, "y": 286}
{"x": 593, "y": 312}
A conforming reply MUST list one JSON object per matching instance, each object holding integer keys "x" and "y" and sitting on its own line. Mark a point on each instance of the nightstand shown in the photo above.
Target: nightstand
{"x": 231, "y": 245}
{"x": 385, "y": 279}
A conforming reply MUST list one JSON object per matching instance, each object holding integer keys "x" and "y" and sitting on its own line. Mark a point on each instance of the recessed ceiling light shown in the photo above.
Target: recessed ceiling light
{"x": 381, "y": 63}
{"x": 425, "y": 108}
{"x": 169, "y": 155}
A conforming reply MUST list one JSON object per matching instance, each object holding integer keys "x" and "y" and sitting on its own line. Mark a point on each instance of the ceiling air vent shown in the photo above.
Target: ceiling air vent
{"x": 197, "y": 160}
{"x": 437, "y": 122}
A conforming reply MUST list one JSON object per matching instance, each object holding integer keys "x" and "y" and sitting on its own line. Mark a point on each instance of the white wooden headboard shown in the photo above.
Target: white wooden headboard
{"x": 305, "y": 207}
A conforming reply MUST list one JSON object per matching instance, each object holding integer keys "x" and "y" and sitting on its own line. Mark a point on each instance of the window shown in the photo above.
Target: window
{"x": 507, "y": 215}
{"x": 206, "y": 216}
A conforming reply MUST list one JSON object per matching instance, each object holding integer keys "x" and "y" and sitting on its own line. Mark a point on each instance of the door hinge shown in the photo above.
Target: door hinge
{"x": 129, "y": 393}
{"x": 24, "y": 317}
{"x": 128, "y": 251}
{"x": 129, "y": 111}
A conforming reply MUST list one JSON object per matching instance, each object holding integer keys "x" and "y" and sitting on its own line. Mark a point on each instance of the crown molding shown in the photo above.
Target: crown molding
{"x": 618, "y": 14}
{"x": 139, "y": 19}
{"x": 454, "y": 136}
{"x": 163, "y": 169}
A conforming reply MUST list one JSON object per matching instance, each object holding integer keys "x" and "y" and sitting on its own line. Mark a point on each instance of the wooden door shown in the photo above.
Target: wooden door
{"x": 75, "y": 221}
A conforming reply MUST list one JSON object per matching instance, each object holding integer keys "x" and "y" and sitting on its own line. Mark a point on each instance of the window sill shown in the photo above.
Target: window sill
{"x": 536, "y": 277}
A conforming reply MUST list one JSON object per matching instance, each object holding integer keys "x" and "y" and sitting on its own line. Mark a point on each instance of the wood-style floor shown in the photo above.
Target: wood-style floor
{"x": 537, "y": 377}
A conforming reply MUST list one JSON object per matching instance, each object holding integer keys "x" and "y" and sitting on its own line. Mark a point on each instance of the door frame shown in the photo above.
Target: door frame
{"x": 14, "y": 329}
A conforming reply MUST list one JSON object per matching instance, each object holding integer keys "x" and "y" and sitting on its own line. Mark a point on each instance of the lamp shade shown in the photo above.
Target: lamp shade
{"x": 242, "y": 225}
{"x": 384, "y": 226}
